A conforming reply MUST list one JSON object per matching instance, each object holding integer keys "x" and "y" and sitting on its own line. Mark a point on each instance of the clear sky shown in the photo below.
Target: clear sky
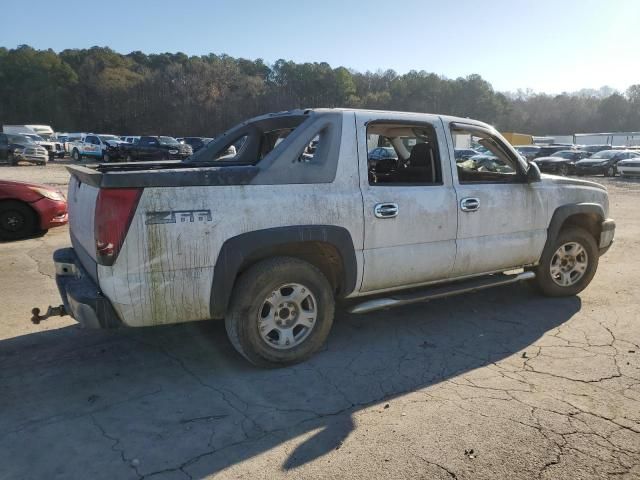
{"x": 545, "y": 45}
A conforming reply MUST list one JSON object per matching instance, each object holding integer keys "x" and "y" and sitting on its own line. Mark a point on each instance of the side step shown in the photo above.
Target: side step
{"x": 432, "y": 293}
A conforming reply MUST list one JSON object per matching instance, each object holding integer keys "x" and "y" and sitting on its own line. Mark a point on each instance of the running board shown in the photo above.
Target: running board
{"x": 432, "y": 293}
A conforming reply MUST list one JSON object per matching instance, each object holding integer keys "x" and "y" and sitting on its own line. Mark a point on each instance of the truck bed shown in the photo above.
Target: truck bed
{"x": 169, "y": 173}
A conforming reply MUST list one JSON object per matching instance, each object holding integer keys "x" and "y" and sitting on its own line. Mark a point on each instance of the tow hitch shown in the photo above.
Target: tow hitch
{"x": 58, "y": 311}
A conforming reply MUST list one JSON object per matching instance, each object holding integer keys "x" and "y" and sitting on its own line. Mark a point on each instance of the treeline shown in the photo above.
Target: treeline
{"x": 100, "y": 90}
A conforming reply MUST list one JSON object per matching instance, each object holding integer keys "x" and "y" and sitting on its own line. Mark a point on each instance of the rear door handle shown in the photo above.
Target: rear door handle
{"x": 385, "y": 210}
{"x": 469, "y": 204}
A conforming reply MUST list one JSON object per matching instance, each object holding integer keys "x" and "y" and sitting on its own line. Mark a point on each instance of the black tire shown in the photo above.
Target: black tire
{"x": 544, "y": 281}
{"x": 563, "y": 170}
{"x": 12, "y": 159}
{"x": 75, "y": 154}
{"x": 610, "y": 171}
{"x": 250, "y": 292}
{"x": 129, "y": 158}
{"x": 106, "y": 158}
{"x": 17, "y": 220}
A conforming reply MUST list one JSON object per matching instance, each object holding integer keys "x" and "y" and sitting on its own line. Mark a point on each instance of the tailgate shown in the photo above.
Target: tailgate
{"x": 81, "y": 200}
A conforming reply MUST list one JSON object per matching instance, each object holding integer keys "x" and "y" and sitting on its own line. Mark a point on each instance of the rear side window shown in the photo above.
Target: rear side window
{"x": 403, "y": 154}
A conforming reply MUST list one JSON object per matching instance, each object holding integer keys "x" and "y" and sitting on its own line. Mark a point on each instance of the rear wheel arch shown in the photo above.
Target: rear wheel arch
{"x": 329, "y": 248}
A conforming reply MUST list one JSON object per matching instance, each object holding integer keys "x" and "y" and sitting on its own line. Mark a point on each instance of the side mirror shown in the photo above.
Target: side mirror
{"x": 533, "y": 173}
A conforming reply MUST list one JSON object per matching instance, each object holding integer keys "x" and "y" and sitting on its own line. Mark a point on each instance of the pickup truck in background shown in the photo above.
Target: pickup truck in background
{"x": 155, "y": 148}
{"x": 43, "y": 135}
{"x": 100, "y": 147}
{"x": 271, "y": 236}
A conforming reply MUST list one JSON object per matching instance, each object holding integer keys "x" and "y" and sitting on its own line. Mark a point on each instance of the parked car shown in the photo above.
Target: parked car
{"x": 548, "y": 150}
{"x": 196, "y": 143}
{"x": 17, "y": 148}
{"x": 242, "y": 237}
{"x": 593, "y": 148}
{"x": 41, "y": 134}
{"x": 562, "y": 162}
{"x": 604, "y": 162}
{"x": 130, "y": 139}
{"x": 29, "y": 208}
{"x": 155, "y": 148}
{"x": 528, "y": 151}
{"x": 629, "y": 167}
{"x": 464, "y": 153}
{"x": 98, "y": 146}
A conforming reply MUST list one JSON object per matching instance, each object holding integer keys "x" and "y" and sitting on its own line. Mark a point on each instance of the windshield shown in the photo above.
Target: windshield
{"x": 605, "y": 155}
{"x": 168, "y": 141}
{"x": 35, "y": 138}
{"x": 106, "y": 138}
{"x": 563, "y": 154}
{"x": 19, "y": 139}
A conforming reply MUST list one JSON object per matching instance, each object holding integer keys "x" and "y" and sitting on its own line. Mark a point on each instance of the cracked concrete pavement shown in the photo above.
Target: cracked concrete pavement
{"x": 501, "y": 384}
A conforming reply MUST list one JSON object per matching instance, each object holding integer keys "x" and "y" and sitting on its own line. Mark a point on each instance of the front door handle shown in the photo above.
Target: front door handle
{"x": 385, "y": 210}
{"x": 469, "y": 204}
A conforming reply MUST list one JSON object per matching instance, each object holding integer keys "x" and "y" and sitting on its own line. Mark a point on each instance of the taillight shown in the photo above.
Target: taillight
{"x": 115, "y": 208}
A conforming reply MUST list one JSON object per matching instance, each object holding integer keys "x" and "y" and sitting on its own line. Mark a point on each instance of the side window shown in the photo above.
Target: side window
{"x": 406, "y": 154}
{"x": 145, "y": 141}
{"x": 493, "y": 164}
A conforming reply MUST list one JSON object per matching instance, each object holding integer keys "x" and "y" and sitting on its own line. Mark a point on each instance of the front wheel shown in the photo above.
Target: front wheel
{"x": 17, "y": 220}
{"x": 563, "y": 170}
{"x": 281, "y": 312}
{"x": 76, "y": 155}
{"x": 611, "y": 171}
{"x": 568, "y": 264}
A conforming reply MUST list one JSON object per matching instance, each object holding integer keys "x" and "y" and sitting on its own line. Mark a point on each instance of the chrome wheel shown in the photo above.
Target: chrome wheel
{"x": 569, "y": 264}
{"x": 287, "y": 316}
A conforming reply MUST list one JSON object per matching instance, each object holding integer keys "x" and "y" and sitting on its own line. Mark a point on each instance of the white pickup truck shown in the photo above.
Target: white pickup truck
{"x": 301, "y": 216}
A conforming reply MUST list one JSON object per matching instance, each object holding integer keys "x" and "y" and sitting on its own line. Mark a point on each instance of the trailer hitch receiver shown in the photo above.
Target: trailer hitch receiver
{"x": 58, "y": 311}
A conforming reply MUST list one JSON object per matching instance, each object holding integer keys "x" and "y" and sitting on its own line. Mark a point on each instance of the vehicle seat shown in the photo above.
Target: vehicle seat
{"x": 419, "y": 166}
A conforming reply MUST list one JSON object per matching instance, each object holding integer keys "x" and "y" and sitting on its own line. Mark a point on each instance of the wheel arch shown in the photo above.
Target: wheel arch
{"x": 329, "y": 248}
{"x": 584, "y": 215}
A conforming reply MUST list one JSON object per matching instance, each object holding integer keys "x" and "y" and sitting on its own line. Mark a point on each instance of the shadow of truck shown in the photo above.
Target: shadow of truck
{"x": 120, "y": 404}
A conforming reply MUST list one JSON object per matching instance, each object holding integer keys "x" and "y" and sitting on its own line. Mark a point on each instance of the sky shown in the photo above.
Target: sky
{"x": 543, "y": 45}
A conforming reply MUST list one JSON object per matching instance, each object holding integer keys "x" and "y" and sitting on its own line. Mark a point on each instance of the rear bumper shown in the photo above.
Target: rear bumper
{"x": 608, "y": 230}
{"x": 80, "y": 295}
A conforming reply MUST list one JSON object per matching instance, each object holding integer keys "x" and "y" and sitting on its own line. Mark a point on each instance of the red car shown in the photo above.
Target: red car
{"x": 27, "y": 209}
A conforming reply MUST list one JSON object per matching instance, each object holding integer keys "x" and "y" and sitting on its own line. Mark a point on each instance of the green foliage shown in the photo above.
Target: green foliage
{"x": 100, "y": 90}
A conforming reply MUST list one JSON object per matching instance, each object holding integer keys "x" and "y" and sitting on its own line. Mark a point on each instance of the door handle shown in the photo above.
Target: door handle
{"x": 385, "y": 210}
{"x": 469, "y": 204}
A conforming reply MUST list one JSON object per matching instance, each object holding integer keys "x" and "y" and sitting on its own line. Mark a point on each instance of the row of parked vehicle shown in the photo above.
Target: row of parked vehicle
{"x": 39, "y": 144}
{"x": 567, "y": 159}
{"x": 111, "y": 148}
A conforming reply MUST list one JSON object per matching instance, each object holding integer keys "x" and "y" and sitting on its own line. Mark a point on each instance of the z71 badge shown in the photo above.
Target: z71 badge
{"x": 178, "y": 216}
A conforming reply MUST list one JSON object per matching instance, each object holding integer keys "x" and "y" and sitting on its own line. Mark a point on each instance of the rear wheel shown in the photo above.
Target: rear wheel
{"x": 129, "y": 158}
{"x": 610, "y": 172}
{"x": 568, "y": 264}
{"x": 281, "y": 312}
{"x": 12, "y": 159}
{"x": 17, "y": 220}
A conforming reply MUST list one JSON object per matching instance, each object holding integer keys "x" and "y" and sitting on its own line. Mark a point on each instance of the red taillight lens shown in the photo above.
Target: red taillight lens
{"x": 114, "y": 211}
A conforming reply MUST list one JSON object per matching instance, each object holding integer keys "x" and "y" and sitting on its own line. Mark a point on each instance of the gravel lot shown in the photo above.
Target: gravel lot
{"x": 502, "y": 384}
